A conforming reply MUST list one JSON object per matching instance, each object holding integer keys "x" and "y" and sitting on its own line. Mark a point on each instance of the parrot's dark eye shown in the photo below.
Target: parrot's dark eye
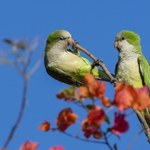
{"x": 62, "y": 38}
{"x": 123, "y": 38}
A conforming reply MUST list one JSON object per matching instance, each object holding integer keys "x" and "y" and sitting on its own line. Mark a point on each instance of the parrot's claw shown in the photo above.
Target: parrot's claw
{"x": 78, "y": 83}
{"x": 74, "y": 45}
{"x": 75, "y": 48}
{"x": 113, "y": 81}
{"x": 96, "y": 63}
{"x": 76, "y": 42}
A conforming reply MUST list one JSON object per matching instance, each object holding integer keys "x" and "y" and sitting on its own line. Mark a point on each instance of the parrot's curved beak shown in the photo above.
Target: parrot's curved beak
{"x": 70, "y": 41}
{"x": 116, "y": 44}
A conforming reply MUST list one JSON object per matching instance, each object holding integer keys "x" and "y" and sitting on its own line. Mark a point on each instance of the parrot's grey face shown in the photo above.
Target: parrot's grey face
{"x": 122, "y": 44}
{"x": 127, "y": 41}
{"x": 62, "y": 37}
{"x": 119, "y": 42}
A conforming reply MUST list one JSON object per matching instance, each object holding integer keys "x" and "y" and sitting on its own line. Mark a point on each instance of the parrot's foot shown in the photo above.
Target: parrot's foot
{"x": 75, "y": 49}
{"x": 74, "y": 46}
{"x": 76, "y": 42}
{"x": 78, "y": 83}
{"x": 113, "y": 81}
{"x": 96, "y": 63}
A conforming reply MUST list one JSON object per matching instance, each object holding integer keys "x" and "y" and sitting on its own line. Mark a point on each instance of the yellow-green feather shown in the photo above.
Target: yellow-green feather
{"x": 132, "y": 38}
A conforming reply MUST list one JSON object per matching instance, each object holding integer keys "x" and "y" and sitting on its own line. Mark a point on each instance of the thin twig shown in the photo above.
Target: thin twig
{"x": 102, "y": 65}
{"x": 144, "y": 123}
{"x": 81, "y": 104}
{"x": 18, "y": 68}
{"x": 91, "y": 141}
{"x": 28, "y": 58}
{"x": 36, "y": 66}
{"x": 83, "y": 139}
{"x": 134, "y": 140}
{"x": 107, "y": 142}
{"x": 24, "y": 73}
{"x": 20, "y": 115}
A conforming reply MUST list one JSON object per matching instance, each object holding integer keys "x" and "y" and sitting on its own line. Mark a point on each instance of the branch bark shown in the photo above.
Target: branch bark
{"x": 144, "y": 124}
{"x": 112, "y": 79}
{"x": 20, "y": 115}
{"x": 23, "y": 71}
{"x": 101, "y": 64}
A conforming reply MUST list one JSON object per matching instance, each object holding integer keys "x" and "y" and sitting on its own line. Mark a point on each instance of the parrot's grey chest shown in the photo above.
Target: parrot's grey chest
{"x": 128, "y": 70}
{"x": 55, "y": 57}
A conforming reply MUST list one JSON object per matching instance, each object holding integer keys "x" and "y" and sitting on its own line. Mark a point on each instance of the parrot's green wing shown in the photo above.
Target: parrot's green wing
{"x": 145, "y": 74}
{"x": 62, "y": 76}
{"x": 144, "y": 70}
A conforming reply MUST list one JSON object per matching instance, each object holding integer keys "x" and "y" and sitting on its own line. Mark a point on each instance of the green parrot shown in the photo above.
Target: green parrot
{"x": 132, "y": 67}
{"x": 67, "y": 65}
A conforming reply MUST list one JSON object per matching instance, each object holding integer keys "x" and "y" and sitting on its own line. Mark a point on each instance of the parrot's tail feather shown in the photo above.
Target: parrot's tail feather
{"x": 78, "y": 83}
{"x": 102, "y": 79}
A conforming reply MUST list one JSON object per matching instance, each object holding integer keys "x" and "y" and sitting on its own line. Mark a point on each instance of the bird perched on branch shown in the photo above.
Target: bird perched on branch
{"x": 65, "y": 65}
{"x": 132, "y": 67}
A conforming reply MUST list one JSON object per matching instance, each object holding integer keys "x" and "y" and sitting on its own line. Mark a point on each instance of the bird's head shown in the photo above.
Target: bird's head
{"x": 127, "y": 41}
{"x": 62, "y": 37}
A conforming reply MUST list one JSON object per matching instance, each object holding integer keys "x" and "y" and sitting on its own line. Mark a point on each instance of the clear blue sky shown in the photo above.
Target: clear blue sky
{"x": 94, "y": 24}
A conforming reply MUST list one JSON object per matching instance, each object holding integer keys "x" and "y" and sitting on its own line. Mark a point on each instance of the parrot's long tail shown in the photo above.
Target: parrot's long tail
{"x": 103, "y": 77}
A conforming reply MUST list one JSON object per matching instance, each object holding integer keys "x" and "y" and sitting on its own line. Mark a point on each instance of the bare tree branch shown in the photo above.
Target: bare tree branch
{"x": 23, "y": 54}
{"x": 20, "y": 115}
{"x": 101, "y": 64}
{"x": 134, "y": 140}
{"x": 36, "y": 66}
{"x": 105, "y": 142}
{"x": 144, "y": 124}
{"x": 83, "y": 139}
